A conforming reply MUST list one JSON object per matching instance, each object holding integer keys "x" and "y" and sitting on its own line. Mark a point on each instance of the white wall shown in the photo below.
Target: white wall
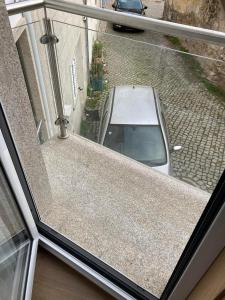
{"x": 70, "y": 30}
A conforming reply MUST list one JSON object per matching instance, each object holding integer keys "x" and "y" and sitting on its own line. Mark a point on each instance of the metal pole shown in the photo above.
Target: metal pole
{"x": 50, "y": 40}
{"x": 122, "y": 18}
{"x": 85, "y": 19}
{"x": 21, "y": 7}
{"x": 136, "y": 21}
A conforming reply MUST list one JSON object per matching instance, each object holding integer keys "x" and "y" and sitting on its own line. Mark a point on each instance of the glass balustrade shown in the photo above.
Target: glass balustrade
{"x": 145, "y": 147}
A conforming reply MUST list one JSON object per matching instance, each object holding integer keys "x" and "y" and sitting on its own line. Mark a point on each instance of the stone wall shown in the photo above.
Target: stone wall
{"x": 207, "y": 14}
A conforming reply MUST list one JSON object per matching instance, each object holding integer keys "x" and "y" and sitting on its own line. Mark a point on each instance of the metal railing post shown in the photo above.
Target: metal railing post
{"x": 50, "y": 40}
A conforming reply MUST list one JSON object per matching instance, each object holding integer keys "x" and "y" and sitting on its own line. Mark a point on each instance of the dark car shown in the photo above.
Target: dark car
{"x": 130, "y": 6}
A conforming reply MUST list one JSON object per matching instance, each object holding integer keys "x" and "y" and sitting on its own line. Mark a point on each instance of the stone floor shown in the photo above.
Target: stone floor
{"x": 116, "y": 208}
{"x": 195, "y": 117}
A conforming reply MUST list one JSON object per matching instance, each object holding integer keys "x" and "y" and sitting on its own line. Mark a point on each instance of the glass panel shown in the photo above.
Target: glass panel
{"x": 135, "y": 217}
{"x": 172, "y": 78}
{"x": 126, "y": 139}
{"x": 14, "y": 246}
{"x": 39, "y": 125}
{"x": 35, "y": 68}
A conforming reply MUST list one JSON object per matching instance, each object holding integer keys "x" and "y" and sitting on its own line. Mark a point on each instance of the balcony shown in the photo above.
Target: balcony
{"x": 132, "y": 217}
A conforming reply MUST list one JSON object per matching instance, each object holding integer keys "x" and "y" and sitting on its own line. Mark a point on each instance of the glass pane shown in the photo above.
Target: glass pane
{"x": 115, "y": 217}
{"x": 143, "y": 95}
{"x": 126, "y": 139}
{"x": 14, "y": 246}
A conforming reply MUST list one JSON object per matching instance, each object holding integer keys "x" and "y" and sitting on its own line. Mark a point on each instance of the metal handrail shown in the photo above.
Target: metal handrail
{"x": 24, "y": 6}
{"x": 163, "y": 27}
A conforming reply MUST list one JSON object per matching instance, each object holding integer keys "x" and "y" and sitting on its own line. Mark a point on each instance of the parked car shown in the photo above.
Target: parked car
{"x": 130, "y": 6}
{"x": 133, "y": 123}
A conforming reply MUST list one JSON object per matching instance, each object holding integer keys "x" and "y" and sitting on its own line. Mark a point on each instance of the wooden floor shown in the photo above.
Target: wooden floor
{"x": 54, "y": 280}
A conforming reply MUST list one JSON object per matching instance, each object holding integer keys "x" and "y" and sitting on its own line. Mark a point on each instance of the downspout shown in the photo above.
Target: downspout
{"x": 38, "y": 67}
{"x": 86, "y": 44}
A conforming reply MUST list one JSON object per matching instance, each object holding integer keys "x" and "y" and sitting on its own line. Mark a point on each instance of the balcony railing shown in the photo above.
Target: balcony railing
{"x": 121, "y": 18}
{"x": 114, "y": 199}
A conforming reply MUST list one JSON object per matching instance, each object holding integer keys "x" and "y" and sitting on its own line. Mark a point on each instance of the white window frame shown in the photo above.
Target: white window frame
{"x": 9, "y": 168}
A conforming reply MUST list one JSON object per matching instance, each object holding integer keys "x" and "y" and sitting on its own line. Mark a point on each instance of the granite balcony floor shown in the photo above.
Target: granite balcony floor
{"x": 133, "y": 218}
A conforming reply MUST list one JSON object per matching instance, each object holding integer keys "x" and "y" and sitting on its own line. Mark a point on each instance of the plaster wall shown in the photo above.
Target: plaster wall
{"x": 16, "y": 104}
{"x": 70, "y": 30}
{"x": 208, "y": 14}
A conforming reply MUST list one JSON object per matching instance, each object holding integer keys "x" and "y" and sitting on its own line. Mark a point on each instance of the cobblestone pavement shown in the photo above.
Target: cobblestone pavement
{"x": 195, "y": 117}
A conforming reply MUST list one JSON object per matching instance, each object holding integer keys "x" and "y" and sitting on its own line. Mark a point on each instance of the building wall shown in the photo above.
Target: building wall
{"x": 16, "y": 104}
{"x": 203, "y": 13}
{"x": 73, "y": 46}
{"x": 206, "y": 14}
{"x": 70, "y": 30}
{"x": 28, "y": 68}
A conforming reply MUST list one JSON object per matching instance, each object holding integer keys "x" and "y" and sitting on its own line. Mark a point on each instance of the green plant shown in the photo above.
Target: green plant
{"x": 176, "y": 42}
{"x": 97, "y": 49}
{"x": 97, "y": 71}
{"x": 214, "y": 89}
{"x": 84, "y": 128}
{"x": 89, "y": 90}
{"x": 196, "y": 69}
{"x": 92, "y": 103}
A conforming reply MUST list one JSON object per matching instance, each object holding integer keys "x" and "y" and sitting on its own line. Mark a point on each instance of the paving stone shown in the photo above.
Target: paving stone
{"x": 195, "y": 117}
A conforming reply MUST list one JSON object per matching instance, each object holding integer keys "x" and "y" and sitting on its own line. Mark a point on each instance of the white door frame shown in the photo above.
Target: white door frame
{"x": 12, "y": 176}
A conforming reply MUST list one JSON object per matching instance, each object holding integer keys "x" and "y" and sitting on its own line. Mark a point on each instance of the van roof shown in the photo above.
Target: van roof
{"x": 134, "y": 105}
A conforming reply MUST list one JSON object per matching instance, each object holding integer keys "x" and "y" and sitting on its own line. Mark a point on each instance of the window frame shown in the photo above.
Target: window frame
{"x": 190, "y": 267}
{"x": 21, "y": 202}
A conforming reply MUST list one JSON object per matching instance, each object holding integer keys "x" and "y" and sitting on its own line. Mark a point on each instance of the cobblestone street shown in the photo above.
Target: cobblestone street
{"x": 195, "y": 117}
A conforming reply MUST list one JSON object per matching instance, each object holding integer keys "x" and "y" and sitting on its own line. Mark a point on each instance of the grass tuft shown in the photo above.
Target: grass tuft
{"x": 197, "y": 69}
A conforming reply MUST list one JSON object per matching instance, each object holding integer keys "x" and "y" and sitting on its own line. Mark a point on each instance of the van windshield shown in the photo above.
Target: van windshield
{"x": 142, "y": 143}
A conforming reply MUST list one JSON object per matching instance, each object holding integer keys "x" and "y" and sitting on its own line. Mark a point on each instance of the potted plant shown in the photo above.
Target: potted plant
{"x": 97, "y": 67}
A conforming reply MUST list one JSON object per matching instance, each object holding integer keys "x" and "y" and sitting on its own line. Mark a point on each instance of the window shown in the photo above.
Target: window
{"x": 14, "y": 245}
{"x": 121, "y": 218}
{"x": 142, "y": 143}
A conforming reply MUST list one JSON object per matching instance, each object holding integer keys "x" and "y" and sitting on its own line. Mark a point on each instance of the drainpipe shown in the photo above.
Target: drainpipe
{"x": 38, "y": 67}
{"x": 85, "y": 19}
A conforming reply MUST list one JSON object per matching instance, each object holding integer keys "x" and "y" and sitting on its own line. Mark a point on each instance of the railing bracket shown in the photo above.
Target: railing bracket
{"x": 49, "y": 38}
{"x": 62, "y": 122}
